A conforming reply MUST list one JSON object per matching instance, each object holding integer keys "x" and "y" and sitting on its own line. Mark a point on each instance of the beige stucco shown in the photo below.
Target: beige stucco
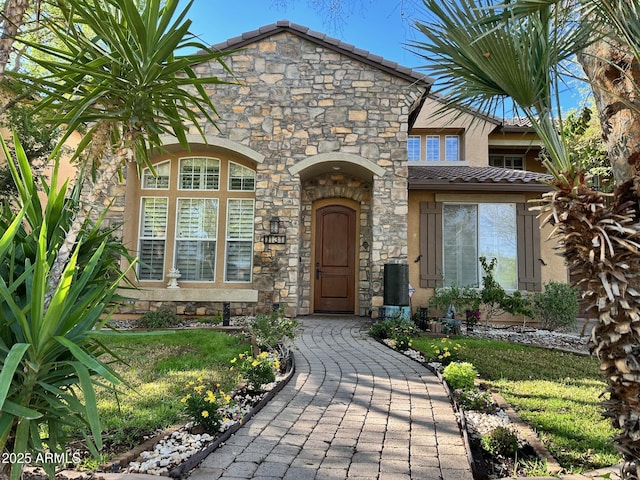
{"x": 473, "y": 129}
{"x": 552, "y": 266}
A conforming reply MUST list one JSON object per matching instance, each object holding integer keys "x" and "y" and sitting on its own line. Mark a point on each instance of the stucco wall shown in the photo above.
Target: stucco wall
{"x": 553, "y": 270}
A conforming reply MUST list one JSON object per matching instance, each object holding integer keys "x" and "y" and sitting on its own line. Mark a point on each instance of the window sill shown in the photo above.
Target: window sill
{"x": 438, "y": 164}
{"x": 184, "y": 294}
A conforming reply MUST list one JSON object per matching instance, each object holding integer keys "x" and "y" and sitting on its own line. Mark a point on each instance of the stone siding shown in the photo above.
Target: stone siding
{"x": 294, "y": 99}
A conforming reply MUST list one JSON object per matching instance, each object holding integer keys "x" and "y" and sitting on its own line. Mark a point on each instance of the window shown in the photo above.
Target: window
{"x": 153, "y": 234}
{"x": 241, "y": 178}
{"x": 433, "y": 148}
{"x": 196, "y": 233}
{"x": 454, "y": 235}
{"x": 158, "y": 181}
{"x": 203, "y": 225}
{"x": 199, "y": 174}
{"x": 513, "y": 162}
{"x": 452, "y": 148}
{"x": 471, "y": 231}
{"x": 240, "y": 221}
{"x": 413, "y": 147}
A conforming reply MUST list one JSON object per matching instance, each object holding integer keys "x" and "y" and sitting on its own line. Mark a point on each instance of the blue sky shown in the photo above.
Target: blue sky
{"x": 378, "y": 27}
{"x": 383, "y": 27}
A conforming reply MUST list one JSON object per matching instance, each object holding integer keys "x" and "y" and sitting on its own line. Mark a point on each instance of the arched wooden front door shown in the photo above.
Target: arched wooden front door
{"x": 335, "y": 262}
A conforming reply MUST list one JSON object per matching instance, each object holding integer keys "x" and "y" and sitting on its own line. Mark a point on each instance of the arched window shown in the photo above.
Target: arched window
{"x": 197, "y": 215}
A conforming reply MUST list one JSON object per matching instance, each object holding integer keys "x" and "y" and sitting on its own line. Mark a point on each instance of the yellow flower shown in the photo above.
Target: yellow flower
{"x": 199, "y": 380}
{"x": 227, "y": 398}
{"x": 263, "y": 355}
{"x": 234, "y": 360}
{"x": 276, "y": 364}
{"x": 199, "y": 389}
{"x": 255, "y": 363}
{"x": 211, "y": 398}
{"x": 190, "y": 383}
{"x": 184, "y": 399}
{"x": 447, "y": 354}
{"x": 241, "y": 355}
{"x": 205, "y": 414}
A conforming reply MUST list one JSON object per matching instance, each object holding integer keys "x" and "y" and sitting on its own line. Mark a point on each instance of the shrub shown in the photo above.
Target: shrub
{"x": 272, "y": 329}
{"x": 208, "y": 407}
{"x": 397, "y": 329}
{"x": 256, "y": 371}
{"x": 475, "y": 400}
{"x": 500, "y": 441}
{"x": 161, "y": 318}
{"x": 557, "y": 306}
{"x": 460, "y": 375}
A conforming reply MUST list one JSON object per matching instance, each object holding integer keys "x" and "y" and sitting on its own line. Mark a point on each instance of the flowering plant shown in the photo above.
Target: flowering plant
{"x": 209, "y": 407}
{"x": 257, "y": 370}
{"x": 445, "y": 351}
{"x": 473, "y": 316}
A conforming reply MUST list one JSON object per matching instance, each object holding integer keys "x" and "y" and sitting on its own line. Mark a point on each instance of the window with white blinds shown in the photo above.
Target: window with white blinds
{"x": 203, "y": 225}
{"x": 152, "y": 237}
{"x": 196, "y": 234}
{"x": 241, "y": 178}
{"x": 198, "y": 173}
{"x": 161, "y": 178}
{"x": 239, "y": 245}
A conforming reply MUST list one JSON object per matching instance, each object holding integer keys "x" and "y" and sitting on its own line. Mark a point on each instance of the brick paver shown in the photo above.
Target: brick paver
{"x": 353, "y": 409}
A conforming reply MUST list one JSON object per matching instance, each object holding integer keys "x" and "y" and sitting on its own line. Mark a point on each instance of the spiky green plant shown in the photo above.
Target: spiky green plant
{"x": 49, "y": 357}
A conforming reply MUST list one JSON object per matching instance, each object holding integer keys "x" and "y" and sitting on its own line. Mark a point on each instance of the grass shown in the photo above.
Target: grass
{"x": 557, "y": 394}
{"x": 158, "y": 365}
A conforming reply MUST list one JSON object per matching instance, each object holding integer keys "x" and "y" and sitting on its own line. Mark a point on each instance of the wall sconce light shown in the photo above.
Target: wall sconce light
{"x": 274, "y": 225}
{"x": 274, "y": 237}
{"x": 365, "y": 245}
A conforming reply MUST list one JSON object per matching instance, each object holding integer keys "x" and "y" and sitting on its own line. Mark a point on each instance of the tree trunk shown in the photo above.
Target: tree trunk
{"x": 13, "y": 16}
{"x": 109, "y": 163}
{"x": 614, "y": 75}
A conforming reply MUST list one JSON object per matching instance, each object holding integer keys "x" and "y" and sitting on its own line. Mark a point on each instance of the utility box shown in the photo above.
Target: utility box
{"x": 396, "y": 284}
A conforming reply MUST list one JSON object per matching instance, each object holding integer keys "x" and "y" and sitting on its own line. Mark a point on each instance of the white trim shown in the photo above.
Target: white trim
{"x": 337, "y": 157}
{"x": 213, "y": 141}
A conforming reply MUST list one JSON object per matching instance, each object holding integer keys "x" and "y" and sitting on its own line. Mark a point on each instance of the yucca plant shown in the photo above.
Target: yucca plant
{"x": 49, "y": 358}
{"x": 122, "y": 72}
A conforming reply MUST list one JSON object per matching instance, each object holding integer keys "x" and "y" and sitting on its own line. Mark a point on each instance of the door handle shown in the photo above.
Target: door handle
{"x": 318, "y": 271}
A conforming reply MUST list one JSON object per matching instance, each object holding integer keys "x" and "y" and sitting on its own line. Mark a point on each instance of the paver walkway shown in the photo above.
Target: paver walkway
{"x": 354, "y": 409}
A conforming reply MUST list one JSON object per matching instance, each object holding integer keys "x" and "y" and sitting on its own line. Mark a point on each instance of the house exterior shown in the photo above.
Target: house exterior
{"x": 323, "y": 168}
{"x": 472, "y": 182}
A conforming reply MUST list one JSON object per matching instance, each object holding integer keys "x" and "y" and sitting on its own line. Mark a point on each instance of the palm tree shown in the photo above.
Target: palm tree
{"x": 12, "y": 18}
{"x": 486, "y": 52}
{"x": 117, "y": 77}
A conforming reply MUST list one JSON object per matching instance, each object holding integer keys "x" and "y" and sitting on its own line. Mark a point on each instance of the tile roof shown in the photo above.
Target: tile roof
{"x": 476, "y": 178}
{"x": 327, "y": 42}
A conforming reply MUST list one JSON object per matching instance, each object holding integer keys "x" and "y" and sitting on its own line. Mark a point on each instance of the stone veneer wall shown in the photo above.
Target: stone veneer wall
{"x": 295, "y": 99}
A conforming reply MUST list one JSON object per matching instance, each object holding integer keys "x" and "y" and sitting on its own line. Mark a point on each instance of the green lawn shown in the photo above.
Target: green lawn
{"x": 557, "y": 394}
{"x": 158, "y": 365}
